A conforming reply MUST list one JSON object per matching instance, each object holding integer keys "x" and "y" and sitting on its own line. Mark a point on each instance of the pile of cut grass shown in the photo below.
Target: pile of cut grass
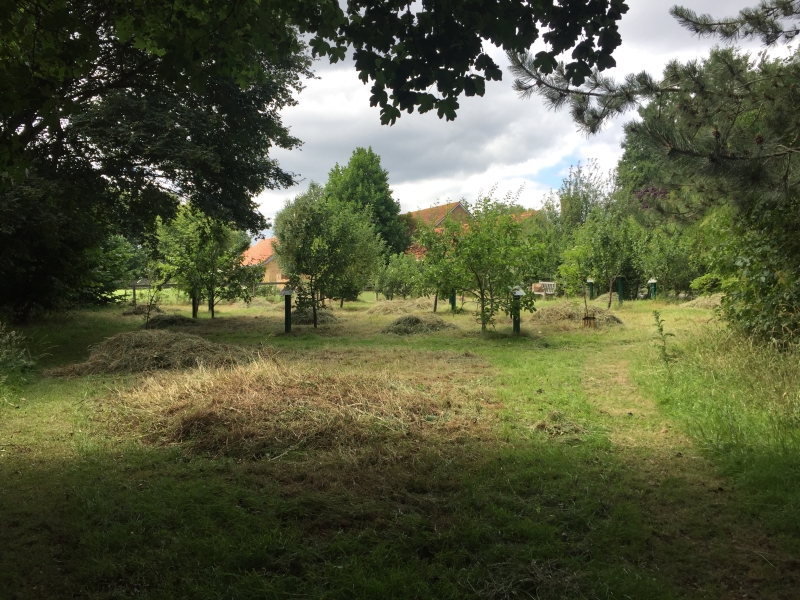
{"x": 141, "y": 310}
{"x": 413, "y": 324}
{"x": 267, "y": 408}
{"x": 400, "y": 307}
{"x": 305, "y": 316}
{"x": 572, "y": 312}
{"x": 152, "y": 350}
{"x": 164, "y": 321}
{"x": 707, "y": 302}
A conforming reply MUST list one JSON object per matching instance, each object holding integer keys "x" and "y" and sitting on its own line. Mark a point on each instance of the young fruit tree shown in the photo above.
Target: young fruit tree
{"x": 326, "y": 247}
{"x": 488, "y": 257}
{"x": 204, "y": 258}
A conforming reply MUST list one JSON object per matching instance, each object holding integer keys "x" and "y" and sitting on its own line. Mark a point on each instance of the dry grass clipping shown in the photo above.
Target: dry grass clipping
{"x": 164, "y": 321}
{"x": 267, "y": 408}
{"x": 305, "y": 316}
{"x": 401, "y": 307}
{"x": 556, "y": 424}
{"x": 572, "y": 312}
{"x": 708, "y": 302}
{"x": 413, "y": 324}
{"x": 141, "y": 310}
{"x": 142, "y": 351}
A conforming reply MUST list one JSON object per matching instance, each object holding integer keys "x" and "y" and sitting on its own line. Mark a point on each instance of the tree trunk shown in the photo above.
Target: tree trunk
{"x": 211, "y": 303}
{"x": 134, "y": 293}
{"x": 435, "y": 301}
{"x": 610, "y": 291}
{"x": 314, "y": 312}
{"x": 195, "y": 305}
{"x": 341, "y": 302}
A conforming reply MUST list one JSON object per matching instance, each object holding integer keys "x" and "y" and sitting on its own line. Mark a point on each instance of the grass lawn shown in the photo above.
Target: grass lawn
{"x": 349, "y": 463}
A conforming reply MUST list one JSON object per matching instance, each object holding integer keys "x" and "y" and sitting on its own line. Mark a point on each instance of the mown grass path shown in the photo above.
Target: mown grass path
{"x": 541, "y": 471}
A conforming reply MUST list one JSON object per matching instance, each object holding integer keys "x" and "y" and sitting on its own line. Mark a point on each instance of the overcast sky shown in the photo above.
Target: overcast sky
{"x": 498, "y": 139}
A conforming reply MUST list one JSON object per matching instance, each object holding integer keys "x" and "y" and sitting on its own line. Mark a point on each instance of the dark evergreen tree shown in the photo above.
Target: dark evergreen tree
{"x": 365, "y": 184}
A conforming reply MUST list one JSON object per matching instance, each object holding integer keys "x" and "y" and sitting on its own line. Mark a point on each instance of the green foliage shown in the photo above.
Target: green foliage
{"x": 204, "y": 257}
{"x": 365, "y": 184}
{"x": 719, "y": 132}
{"x": 668, "y": 255}
{"x": 14, "y": 354}
{"x": 326, "y": 247}
{"x": 603, "y": 247}
{"x": 581, "y": 190}
{"x": 400, "y": 276}
{"x": 487, "y": 257}
{"x": 661, "y": 338}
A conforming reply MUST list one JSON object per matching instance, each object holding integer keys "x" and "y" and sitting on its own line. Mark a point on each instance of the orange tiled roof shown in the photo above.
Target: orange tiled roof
{"x": 260, "y": 252}
{"x": 435, "y": 214}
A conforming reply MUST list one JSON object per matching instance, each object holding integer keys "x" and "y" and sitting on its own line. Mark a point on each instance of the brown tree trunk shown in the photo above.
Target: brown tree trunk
{"x": 195, "y": 306}
{"x": 435, "y": 301}
{"x": 341, "y": 303}
{"x": 610, "y": 292}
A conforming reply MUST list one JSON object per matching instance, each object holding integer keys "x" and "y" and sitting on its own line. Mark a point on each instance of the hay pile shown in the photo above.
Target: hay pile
{"x": 556, "y": 424}
{"x": 141, "y": 351}
{"x": 267, "y": 408}
{"x": 305, "y": 316}
{"x": 164, "y": 321}
{"x": 403, "y": 307}
{"x": 707, "y": 302}
{"x": 141, "y": 310}
{"x": 412, "y": 324}
{"x": 561, "y": 312}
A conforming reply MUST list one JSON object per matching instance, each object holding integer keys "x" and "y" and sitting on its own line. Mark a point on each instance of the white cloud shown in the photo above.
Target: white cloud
{"x": 497, "y": 139}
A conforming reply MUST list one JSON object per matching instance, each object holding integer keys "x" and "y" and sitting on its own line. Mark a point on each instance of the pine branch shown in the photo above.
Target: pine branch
{"x": 767, "y": 21}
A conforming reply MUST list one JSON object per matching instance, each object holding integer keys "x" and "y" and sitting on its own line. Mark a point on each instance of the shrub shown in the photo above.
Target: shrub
{"x": 14, "y": 356}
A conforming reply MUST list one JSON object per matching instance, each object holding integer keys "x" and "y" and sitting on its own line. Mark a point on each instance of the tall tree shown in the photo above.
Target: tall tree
{"x": 365, "y": 184}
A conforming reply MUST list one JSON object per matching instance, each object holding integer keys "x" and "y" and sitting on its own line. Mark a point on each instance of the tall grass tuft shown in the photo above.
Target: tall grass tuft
{"x": 741, "y": 401}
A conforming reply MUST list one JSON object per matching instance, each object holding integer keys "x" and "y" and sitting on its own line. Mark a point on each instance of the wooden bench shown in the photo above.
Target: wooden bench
{"x": 545, "y": 288}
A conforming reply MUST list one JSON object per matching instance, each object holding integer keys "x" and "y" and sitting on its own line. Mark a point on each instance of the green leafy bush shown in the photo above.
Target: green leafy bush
{"x": 14, "y": 355}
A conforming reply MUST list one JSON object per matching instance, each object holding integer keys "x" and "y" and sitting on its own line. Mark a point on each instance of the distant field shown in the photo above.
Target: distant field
{"x": 350, "y": 463}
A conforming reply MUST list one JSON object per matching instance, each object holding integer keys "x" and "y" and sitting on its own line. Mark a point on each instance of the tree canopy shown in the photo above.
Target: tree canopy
{"x": 365, "y": 184}
{"x": 326, "y": 247}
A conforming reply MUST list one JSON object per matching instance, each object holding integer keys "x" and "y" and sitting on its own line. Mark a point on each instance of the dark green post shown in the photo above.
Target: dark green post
{"x": 453, "y": 301}
{"x": 287, "y": 309}
{"x": 515, "y": 310}
{"x": 590, "y": 281}
{"x": 619, "y": 289}
{"x": 652, "y": 283}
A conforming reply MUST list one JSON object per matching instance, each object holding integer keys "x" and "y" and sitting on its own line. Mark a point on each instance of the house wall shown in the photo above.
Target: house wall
{"x": 272, "y": 273}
